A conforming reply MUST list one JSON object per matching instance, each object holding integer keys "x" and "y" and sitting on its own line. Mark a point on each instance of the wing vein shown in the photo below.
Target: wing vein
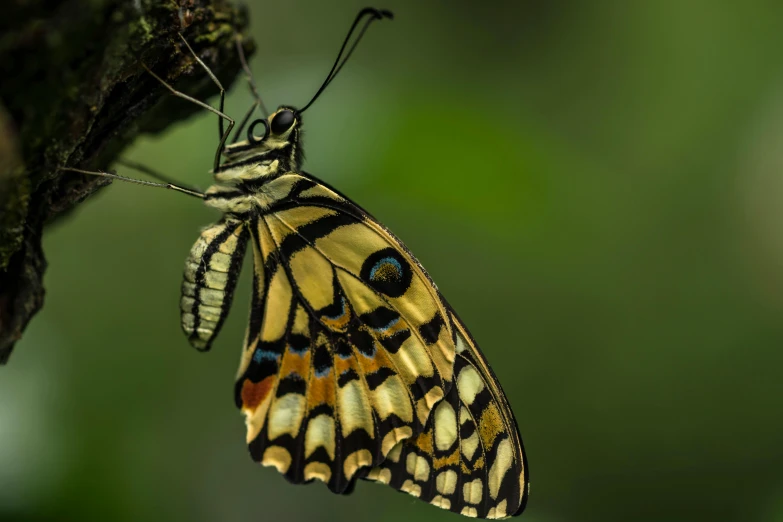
{"x": 413, "y": 329}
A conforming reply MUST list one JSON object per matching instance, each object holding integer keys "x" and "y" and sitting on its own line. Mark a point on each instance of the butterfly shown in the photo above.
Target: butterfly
{"x": 354, "y": 365}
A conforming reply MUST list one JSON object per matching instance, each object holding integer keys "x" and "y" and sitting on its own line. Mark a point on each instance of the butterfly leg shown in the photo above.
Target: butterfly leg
{"x": 152, "y": 173}
{"x": 111, "y": 175}
{"x": 214, "y": 80}
{"x": 222, "y": 116}
{"x": 253, "y": 89}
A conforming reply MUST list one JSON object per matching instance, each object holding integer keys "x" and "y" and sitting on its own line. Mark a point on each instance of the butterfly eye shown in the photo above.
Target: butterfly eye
{"x": 252, "y": 137}
{"x": 282, "y": 121}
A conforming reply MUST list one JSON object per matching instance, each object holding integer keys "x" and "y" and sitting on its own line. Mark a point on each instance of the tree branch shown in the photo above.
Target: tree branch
{"x": 73, "y": 93}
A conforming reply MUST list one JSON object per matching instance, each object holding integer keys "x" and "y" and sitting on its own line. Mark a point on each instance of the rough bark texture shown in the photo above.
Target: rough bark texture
{"x": 73, "y": 93}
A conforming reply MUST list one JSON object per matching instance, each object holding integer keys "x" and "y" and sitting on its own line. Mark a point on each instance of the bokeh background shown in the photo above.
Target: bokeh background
{"x": 595, "y": 186}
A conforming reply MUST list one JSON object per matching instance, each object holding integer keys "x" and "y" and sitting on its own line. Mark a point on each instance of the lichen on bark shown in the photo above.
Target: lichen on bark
{"x": 73, "y": 93}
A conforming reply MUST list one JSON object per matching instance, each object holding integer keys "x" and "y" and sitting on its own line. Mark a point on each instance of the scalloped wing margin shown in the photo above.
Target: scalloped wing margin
{"x": 470, "y": 458}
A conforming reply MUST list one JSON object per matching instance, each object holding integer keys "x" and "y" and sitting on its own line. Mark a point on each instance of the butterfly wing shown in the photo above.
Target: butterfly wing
{"x": 349, "y": 345}
{"x": 469, "y": 459}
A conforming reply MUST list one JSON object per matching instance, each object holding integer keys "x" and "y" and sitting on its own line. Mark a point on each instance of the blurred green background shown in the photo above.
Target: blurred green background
{"x": 595, "y": 186}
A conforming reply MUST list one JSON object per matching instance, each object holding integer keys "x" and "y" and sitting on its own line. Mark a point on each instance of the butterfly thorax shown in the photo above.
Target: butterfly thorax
{"x": 250, "y": 165}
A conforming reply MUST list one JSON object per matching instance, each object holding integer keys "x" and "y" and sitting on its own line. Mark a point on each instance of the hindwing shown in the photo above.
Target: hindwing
{"x": 349, "y": 346}
{"x": 469, "y": 459}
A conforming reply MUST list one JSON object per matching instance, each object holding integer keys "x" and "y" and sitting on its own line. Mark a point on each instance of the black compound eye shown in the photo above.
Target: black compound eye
{"x": 282, "y": 121}
{"x": 252, "y": 137}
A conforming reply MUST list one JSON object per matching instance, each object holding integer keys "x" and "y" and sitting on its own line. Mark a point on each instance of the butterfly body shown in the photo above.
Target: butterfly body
{"x": 354, "y": 365}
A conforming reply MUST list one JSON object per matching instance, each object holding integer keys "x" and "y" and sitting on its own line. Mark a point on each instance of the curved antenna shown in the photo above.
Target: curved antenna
{"x": 375, "y": 14}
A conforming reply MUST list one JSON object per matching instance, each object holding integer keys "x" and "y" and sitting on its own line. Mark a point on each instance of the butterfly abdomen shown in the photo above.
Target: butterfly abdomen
{"x": 211, "y": 273}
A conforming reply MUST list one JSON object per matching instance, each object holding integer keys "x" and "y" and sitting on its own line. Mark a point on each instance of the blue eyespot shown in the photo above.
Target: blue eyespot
{"x": 387, "y": 272}
{"x": 384, "y": 261}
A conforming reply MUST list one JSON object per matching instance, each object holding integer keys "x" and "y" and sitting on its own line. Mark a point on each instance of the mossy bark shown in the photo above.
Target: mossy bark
{"x": 73, "y": 93}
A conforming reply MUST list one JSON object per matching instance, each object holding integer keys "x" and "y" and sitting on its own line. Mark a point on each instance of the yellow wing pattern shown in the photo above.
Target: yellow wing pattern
{"x": 469, "y": 459}
{"x": 355, "y": 367}
{"x": 349, "y": 347}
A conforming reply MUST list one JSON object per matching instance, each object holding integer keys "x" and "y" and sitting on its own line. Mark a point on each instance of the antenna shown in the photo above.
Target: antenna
{"x": 374, "y": 14}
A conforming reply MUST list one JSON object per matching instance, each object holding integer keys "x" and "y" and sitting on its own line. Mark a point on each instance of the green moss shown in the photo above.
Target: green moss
{"x": 142, "y": 30}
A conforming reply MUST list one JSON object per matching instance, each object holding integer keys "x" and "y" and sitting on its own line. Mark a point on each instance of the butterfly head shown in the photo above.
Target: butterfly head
{"x": 274, "y": 138}
{"x": 278, "y": 137}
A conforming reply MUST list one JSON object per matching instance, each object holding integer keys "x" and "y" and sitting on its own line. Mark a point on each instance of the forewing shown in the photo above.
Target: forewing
{"x": 470, "y": 458}
{"x": 349, "y": 347}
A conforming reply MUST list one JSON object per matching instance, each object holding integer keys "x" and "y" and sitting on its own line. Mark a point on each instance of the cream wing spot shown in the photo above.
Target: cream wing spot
{"x": 278, "y": 457}
{"x": 382, "y": 475}
{"x": 418, "y": 467}
{"x": 395, "y": 453}
{"x": 446, "y": 482}
{"x": 385, "y": 476}
{"x": 317, "y": 470}
{"x": 469, "y": 511}
{"x": 411, "y": 488}
{"x": 320, "y": 433}
{"x": 413, "y": 355}
{"x": 425, "y": 404}
{"x": 445, "y": 426}
{"x": 441, "y": 502}
{"x": 392, "y": 397}
{"x": 410, "y": 463}
{"x": 356, "y": 460}
{"x": 469, "y": 384}
{"x": 469, "y": 445}
{"x": 354, "y": 410}
{"x": 501, "y": 464}
{"x": 472, "y": 491}
{"x": 395, "y": 436}
{"x": 285, "y": 415}
{"x": 498, "y": 511}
